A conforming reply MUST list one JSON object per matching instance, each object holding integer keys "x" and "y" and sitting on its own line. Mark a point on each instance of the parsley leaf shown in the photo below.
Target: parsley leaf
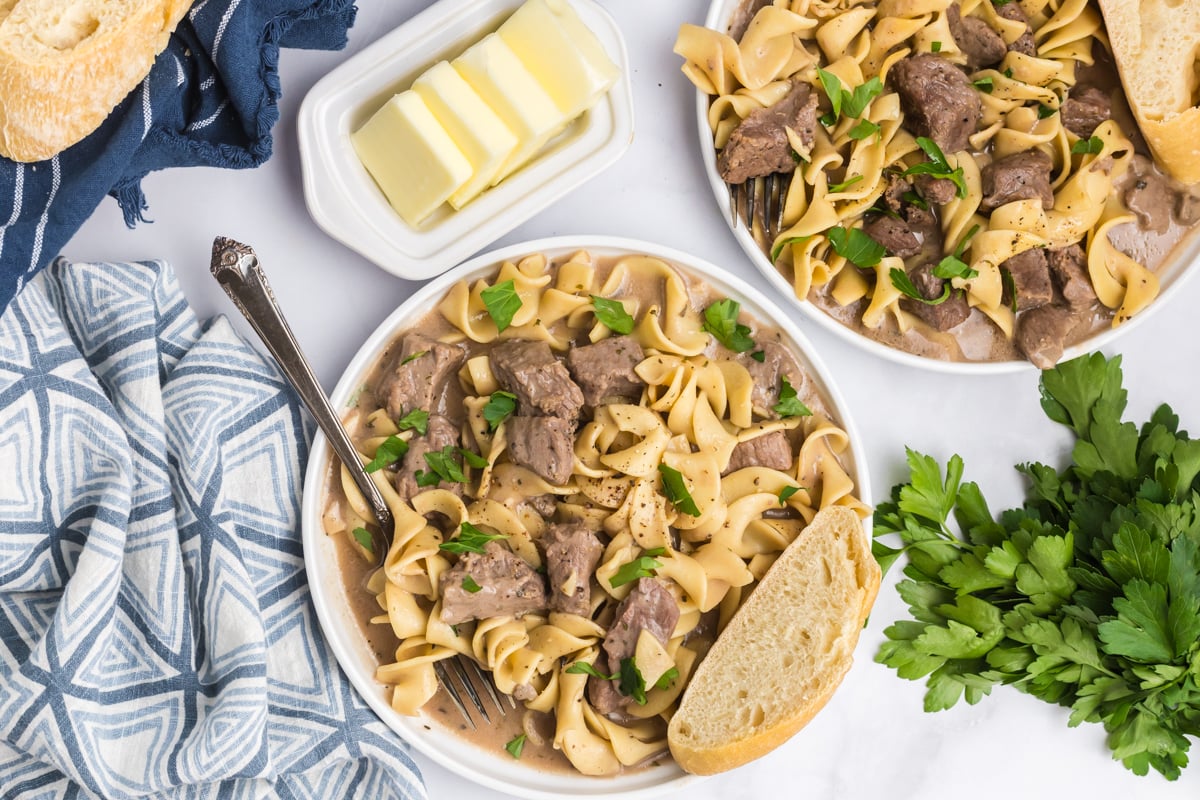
{"x": 499, "y": 407}
{"x": 632, "y": 683}
{"x": 613, "y": 314}
{"x": 777, "y": 250}
{"x": 853, "y": 103}
{"x": 985, "y": 84}
{"x": 789, "y": 404}
{"x": 502, "y": 302}
{"x": 584, "y": 668}
{"x": 832, "y": 85}
{"x": 856, "y": 102}
{"x": 1045, "y": 111}
{"x": 640, "y": 567}
{"x": 841, "y": 187}
{"x": 364, "y": 538}
{"x": 414, "y": 357}
{"x": 721, "y": 320}
{"x": 473, "y": 459}
{"x": 759, "y": 355}
{"x": 469, "y": 540}
{"x": 442, "y": 467}
{"x": 1089, "y": 146}
{"x": 389, "y": 452}
{"x": 937, "y": 166}
{"x": 935, "y": 47}
{"x": 470, "y": 585}
{"x": 953, "y": 266}
{"x": 675, "y": 488}
{"x": 864, "y": 129}
{"x": 416, "y": 420}
{"x": 515, "y": 745}
{"x": 787, "y": 492}
{"x": 856, "y": 246}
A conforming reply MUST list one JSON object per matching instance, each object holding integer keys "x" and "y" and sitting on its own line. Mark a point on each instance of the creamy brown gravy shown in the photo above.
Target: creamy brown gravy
{"x": 355, "y": 571}
{"x": 977, "y": 338}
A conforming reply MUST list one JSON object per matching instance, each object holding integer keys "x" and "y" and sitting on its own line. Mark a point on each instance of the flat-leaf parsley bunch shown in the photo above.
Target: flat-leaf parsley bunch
{"x": 1088, "y": 596}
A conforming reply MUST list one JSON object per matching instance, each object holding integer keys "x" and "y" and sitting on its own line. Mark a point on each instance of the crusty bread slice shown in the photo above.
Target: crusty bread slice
{"x": 65, "y": 64}
{"x": 1157, "y": 47}
{"x": 785, "y": 651}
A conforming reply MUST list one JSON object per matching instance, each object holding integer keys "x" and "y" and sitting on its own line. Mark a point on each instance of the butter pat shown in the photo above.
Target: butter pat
{"x": 411, "y": 156}
{"x": 477, "y": 131}
{"x": 561, "y": 51}
{"x": 505, "y": 84}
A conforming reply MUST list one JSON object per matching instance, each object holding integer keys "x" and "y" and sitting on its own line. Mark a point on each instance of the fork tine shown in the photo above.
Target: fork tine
{"x": 735, "y": 189}
{"x": 464, "y": 677}
{"x": 489, "y": 687}
{"x": 784, "y": 184}
{"x": 751, "y": 203}
{"x": 443, "y": 677}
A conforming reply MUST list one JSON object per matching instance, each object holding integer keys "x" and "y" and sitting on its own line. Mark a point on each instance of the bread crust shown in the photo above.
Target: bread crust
{"x": 52, "y": 97}
{"x": 834, "y": 529}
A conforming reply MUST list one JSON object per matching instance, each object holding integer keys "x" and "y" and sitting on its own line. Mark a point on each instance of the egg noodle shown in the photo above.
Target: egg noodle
{"x": 858, "y": 40}
{"x": 695, "y": 408}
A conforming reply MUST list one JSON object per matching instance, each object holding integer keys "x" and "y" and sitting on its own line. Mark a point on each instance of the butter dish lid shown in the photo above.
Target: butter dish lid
{"x": 346, "y": 203}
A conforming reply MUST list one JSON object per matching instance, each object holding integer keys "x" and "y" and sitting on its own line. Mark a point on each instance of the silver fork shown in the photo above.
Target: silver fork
{"x": 759, "y": 204}
{"x": 236, "y": 268}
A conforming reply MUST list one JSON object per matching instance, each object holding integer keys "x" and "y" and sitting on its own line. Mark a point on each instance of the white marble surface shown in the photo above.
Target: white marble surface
{"x": 873, "y": 740}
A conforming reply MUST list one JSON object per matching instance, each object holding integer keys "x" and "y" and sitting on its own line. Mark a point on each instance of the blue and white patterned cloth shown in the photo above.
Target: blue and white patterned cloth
{"x": 209, "y": 100}
{"x": 156, "y": 632}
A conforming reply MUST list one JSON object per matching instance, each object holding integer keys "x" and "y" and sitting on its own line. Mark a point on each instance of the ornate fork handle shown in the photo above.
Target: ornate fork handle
{"x": 236, "y": 268}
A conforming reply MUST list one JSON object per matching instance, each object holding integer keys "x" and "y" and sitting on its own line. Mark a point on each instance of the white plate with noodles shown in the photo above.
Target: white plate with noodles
{"x": 691, "y": 404}
{"x": 839, "y": 183}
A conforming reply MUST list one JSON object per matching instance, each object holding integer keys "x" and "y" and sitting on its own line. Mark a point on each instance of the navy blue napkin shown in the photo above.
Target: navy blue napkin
{"x": 209, "y": 100}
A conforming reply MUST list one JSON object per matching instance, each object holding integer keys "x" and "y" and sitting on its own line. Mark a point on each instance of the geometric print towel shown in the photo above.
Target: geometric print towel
{"x": 157, "y": 637}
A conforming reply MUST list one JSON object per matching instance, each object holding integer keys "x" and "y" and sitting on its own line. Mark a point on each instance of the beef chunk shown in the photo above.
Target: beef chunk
{"x": 539, "y": 380}
{"x": 894, "y": 191}
{"x": 935, "y": 190}
{"x": 1068, "y": 269}
{"x": 1084, "y": 109}
{"x": 605, "y": 369}
{"x": 544, "y": 445}
{"x": 417, "y": 375}
{"x": 544, "y": 504}
{"x": 742, "y": 17}
{"x": 982, "y": 46}
{"x": 1021, "y": 176}
{"x": 650, "y": 607}
{"x": 1025, "y": 43}
{"x": 943, "y": 316}
{"x": 441, "y": 433}
{"x": 1149, "y": 196}
{"x": 572, "y": 551}
{"x": 507, "y": 585}
{"x": 894, "y": 234}
{"x": 759, "y": 145}
{"x": 603, "y": 694}
{"x": 1042, "y": 332}
{"x": 1031, "y": 279}
{"x": 771, "y": 450}
{"x": 767, "y": 375}
{"x": 938, "y": 100}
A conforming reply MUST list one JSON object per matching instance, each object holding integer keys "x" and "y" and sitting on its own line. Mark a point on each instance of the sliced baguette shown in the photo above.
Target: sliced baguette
{"x": 65, "y": 64}
{"x": 785, "y": 651}
{"x": 1156, "y": 44}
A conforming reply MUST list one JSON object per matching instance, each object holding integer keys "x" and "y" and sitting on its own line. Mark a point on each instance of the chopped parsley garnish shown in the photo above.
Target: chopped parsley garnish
{"x": 634, "y": 685}
{"x": 676, "y": 490}
{"x": 584, "y": 668}
{"x": 414, "y": 356}
{"x": 1010, "y": 287}
{"x": 473, "y": 459}
{"x": 389, "y": 452}
{"x": 442, "y": 467}
{"x": 789, "y": 404}
{"x": 613, "y": 314}
{"x": 502, "y": 302}
{"x": 936, "y": 47}
{"x": 915, "y": 199}
{"x": 469, "y": 540}
{"x": 415, "y": 420}
{"x": 856, "y": 246}
{"x": 777, "y": 250}
{"x": 721, "y": 320}
{"x": 787, "y": 492}
{"x": 759, "y": 355}
{"x": 984, "y": 84}
{"x": 499, "y": 407}
{"x": 515, "y": 745}
{"x": 937, "y": 166}
{"x": 906, "y": 287}
{"x": 1045, "y": 111}
{"x": 853, "y": 104}
{"x": 640, "y": 567}
{"x": 1089, "y": 146}
{"x": 364, "y": 538}
{"x": 841, "y": 187}
{"x": 953, "y": 266}
{"x": 864, "y": 129}
{"x": 469, "y": 584}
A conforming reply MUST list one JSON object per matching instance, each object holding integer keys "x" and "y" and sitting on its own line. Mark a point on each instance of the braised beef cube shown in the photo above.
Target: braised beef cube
{"x": 572, "y": 552}
{"x": 767, "y": 375}
{"x": 603, "y": 693}
{"x": 1025, "y": 43}
{"x": 1021, "y": 176}
{"x": 649, "y": 607}
{"x": 544, "y": 445}
{"x": 935, "y": 190}
{"x": 540, "y": 382}
{"x": 1149, "y": 196}
{"x": 759, "y": 145}
{"x": 1030, "y": 278}
{"x": 1042, "y": 333}
{"x": 938, "y": 100}
{"x": 1069, "y": 271}
{"x": 743, "y": 15}
{"x": 894, "y": 234}
{"x": 417, "y": 375}
{"x": 605, "y": 369}
{"x": 440, "y": 434}
{"x": 772, "y": 450}
{"x": 981, "y": 45}
{"x": 544, "y": 504}
{"x": 508, "y": 585}
{"x": 1084, "y": 109}
{"x": 945, "y": 315}
{"x": 894, "y": 191}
